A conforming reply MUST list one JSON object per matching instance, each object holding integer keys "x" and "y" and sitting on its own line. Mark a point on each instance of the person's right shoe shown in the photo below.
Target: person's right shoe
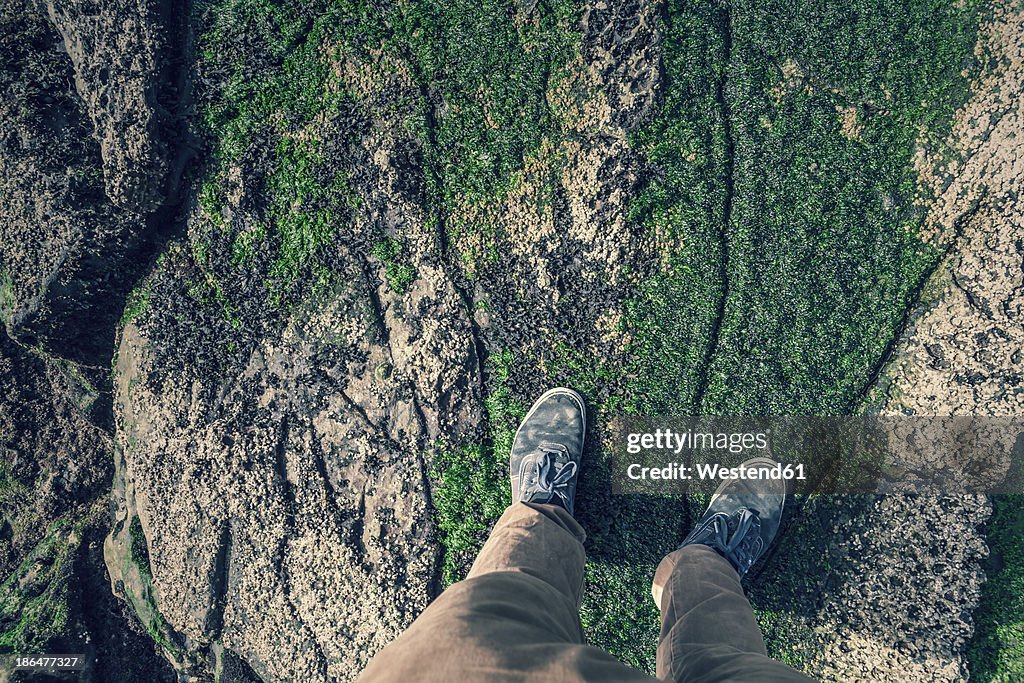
{"x": 743, "y": 517}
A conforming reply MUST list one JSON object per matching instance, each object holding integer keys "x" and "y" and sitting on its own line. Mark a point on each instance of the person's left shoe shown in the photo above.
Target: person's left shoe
{"x": 545, "y": 460}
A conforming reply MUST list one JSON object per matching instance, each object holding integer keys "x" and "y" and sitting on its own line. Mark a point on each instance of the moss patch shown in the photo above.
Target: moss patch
{"x": 139, "y": 549}
{"x": 785, "y": 192}
{"x": 35, "y": 600}
{"x": 136, "y": 304}
{"x": 471, "y": 485}
{"x": 269, "y": 96}
{"x": 782, "y": 192}
{"x": 795, "y": 250}
{"x": 997, "y": 651}
{"x": 398, "y": 272}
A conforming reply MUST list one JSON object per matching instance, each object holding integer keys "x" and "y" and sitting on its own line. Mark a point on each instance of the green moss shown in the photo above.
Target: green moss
{"x": 159, "y": 630}
{"x": 618, "y": 611}
{"x": 34, "y": 599}
{"x": 139, "y": 549}
{"x": 398, "y": 272}
{"x": 798, "y": 251}
{"x": 672, "y": 317}
{"x": 283, "y": 103}
{"x": 582, "y": 372}
{"x": 209, "y": 292}
{"x": 470, "y": 492}
{"x": 211, "y": 201}
{"x": 136, "y": 305}
{"x": 141, "y": 595}
{"x": 269, "y": 82}
{"x": 6, "y": 296}
{"x": 245, "y": 244}
{"x": 792, "y": 243}
{"x": 791, "y": 256}
{"x": 201, "y": 253}
{"x": 997, "y": 651}
{"x": 305, "y": 209}
{"x": 75, "y": 373}
{"x": 471, "y": 485}
{"x": 490, "y": 124}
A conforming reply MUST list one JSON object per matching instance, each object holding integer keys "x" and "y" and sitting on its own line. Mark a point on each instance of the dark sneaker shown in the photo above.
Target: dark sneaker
{"x": 743, "y": 517}
{"x": 544, "y": 463}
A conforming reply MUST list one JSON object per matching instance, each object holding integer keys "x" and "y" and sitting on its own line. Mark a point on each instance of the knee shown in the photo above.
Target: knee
{"x": 692, "y": 563}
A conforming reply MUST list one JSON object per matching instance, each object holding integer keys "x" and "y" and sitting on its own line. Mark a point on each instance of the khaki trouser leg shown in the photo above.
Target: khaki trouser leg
{"x": 514, "y": 618}
{"x": 708, "y": 630}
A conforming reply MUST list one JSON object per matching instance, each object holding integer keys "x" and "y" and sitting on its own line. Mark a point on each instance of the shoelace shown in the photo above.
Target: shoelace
{"x": 539, "y": 473}
{"x": 738, "y": 546}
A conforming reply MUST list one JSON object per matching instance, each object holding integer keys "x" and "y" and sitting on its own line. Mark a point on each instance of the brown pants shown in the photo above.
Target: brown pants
{"x": 516, "y": 617}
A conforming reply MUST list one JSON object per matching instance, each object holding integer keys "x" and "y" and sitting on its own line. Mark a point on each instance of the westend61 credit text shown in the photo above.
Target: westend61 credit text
{"x": 676, "y": 471}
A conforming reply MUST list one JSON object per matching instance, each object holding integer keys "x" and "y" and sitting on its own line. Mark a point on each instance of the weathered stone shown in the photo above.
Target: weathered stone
{"x": 282, "y": 487}
{"x": 67, "y": 255}
{"x": 123, "y": 55}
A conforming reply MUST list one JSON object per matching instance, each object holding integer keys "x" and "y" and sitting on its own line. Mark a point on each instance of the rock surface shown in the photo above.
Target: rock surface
{"x": 294, "y": 467}
{"x": 68, "y": 257}
{"x": 123, "y": 54}
{"x": 54, "y": 474}
{"x": 282, "y": 485}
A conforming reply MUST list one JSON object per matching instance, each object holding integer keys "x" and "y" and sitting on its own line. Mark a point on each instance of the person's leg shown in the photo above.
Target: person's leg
{"x": 709, "y": 633}
{"x": 516, "y": 616}
{"x": 540, "y": 540}
{"x": 708, "y": 629}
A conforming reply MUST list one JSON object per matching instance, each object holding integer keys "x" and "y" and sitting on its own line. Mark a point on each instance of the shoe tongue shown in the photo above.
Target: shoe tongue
{"x": 551, "y": 476}
{"x": 543, "y": 466}
{"x": 744, "y": 517}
